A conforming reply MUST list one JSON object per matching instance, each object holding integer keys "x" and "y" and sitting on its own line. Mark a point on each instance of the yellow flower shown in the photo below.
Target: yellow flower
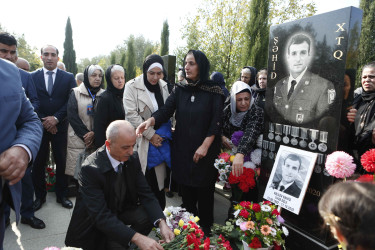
{"x": 180, "y": 223}
{"x": 176, "y": 231}
{"x": 196, "y": 219}
{"x": 232, "y": 158}
{"x": 236, "y": 207}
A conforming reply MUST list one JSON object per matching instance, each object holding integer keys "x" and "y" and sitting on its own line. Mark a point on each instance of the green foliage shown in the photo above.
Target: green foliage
{"x": 69, "y": 57}
{"x": 257, "y": 32}
{"x": 113, "y": 58}
{"x": 148, "y": 51}
{"x": 130, "y": 59}
{"x": 367, "y": 40}
{"x": 122, "y": 61}
{"x": 282, "y": 11}
{"x": 164, "y": 38}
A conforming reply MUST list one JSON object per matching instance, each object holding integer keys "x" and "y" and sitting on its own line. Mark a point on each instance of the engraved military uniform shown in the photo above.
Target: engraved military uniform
{"x": 310, "y": 100}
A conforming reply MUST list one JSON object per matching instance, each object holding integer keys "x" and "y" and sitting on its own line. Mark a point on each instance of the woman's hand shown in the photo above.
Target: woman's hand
{"x": 156, "y": 140}
{"x": 237, "y": 166}
{"x": 351, "y": 115}
{"x": 88, "y": 138}
{"x": 200, "y": 153}
{"x": 144, "y": 126}
{"x": 225, "y": 142}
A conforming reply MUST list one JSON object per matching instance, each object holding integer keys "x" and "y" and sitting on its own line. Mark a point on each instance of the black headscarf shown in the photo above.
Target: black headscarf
{"x": 153, "y": 88}
{"x": 87, "y": 82}
{"x": 117, "y": 92}
{"x": 203, "y": 82}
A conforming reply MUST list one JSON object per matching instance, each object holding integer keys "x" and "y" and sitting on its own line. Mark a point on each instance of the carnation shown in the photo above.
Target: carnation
{"x": 236, "y": 137}
{"x": 249, "y": 164}
{"x": 260, "y": 141}
{"x": 225, "y": 156}
{"x": 368, "y": 160}
{"x": 256, "y": 207}
{"x": 340, "y": 164}
{"x": 256, "y": 156}
{"x": 365, "y": 178}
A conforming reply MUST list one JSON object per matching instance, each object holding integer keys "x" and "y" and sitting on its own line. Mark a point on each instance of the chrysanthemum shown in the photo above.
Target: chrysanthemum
{"x": 260, "y": 141}
{"x": 249, "y": 164}
{"x": 340, "y": 164}
{"x": 256, "y": 156}
{"x": 265, "y": 230}
{"x": 285, "y": 231}
{"x": 266, "y": 208}
{"x": 368, "y": 160}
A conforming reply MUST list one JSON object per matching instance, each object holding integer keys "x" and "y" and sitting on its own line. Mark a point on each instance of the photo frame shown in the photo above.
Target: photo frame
{"x": 290, "y": 178}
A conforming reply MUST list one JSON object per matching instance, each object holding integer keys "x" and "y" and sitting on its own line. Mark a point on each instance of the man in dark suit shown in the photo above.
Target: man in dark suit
{"x": 8, "y": 51}
{"x": 20, "y": 135}
{"x": 302, "y": 97}
{"x": 115, "y": 205}
{"x": 53, "y": 87}
{"x": 290, "y": 172}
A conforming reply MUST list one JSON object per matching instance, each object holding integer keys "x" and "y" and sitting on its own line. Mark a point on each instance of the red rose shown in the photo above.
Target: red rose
{"x": 276, "y": 247}
{"x": 275, "y": 212}
{"x": 244, "y": 213}
{"x": 255, "y": 243}
{"x": 52, "y": 174}
{"x": 245, "y": 204}
{"x": 267, "y": 202}
{"x": 256, "y": 207}
{"x": 49, "y": 170}
{"x": 368, "y": 160}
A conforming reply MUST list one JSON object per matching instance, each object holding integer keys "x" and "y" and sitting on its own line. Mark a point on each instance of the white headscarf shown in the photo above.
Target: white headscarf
{"x": 236, "y": 117}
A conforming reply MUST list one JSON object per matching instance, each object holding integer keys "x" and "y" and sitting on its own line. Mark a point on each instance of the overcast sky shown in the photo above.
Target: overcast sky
{"x": 99, "y": 26}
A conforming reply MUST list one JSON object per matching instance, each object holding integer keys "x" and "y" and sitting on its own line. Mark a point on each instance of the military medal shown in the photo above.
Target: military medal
{"x": 272, "y": 146}
{"x": 278, "y": 131}
{"x": 265, "y": 147}
{"x": 286, "y": 130}
{"x": 294, "y": 134}
{"x": 303, "y": 143}
{"x": 192, "y": 98}
{"x": 271, "y": 129}
{"x": 319, "y": 162}
{"x": 313, "y": 136}
{"x": 322, "y": 147}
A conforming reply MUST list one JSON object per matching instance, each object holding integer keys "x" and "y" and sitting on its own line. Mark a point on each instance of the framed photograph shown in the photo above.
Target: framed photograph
{"x": 290, "y": 178}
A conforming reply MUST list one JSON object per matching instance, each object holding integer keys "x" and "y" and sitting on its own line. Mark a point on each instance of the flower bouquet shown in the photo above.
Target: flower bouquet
{"x": 259, "y": 225}
{"x": 176, "y": 218}
{"x": 192, "y": 237}
{"x": 50, "y": 179}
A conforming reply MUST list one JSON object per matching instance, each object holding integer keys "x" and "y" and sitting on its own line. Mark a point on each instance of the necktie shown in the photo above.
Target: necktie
{"x": 291, "y": 88}
{"x": 120, "y": 187}
{"x": 50, "y": 82}
{"x": 281, "y": 188}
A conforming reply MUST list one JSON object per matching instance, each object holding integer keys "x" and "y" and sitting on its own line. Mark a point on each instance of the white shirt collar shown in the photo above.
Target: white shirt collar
{"x": 286, "y": 185}
{"x": 298, "y": 79}
{"x": 113, "y": 161}
{"x": 46, "y": 70}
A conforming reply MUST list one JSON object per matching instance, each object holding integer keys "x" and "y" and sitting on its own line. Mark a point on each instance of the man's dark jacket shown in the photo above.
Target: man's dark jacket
{"x": 292, "y": 190}
{"x": 94, "y": 217}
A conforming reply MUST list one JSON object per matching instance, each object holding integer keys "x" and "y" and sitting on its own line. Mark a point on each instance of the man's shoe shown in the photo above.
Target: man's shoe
{"x": 33, "y": 222}
{"x": 38, "y": 203}
{"x": 65, "y": 202}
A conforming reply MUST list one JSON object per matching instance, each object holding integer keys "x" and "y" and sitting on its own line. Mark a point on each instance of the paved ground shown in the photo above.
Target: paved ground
{"x": 57, "y": 220}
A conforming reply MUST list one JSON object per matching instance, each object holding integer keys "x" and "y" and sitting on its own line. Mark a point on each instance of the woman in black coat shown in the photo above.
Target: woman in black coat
{"x": 110, "y": 106}
{"x": 198, "y": 103}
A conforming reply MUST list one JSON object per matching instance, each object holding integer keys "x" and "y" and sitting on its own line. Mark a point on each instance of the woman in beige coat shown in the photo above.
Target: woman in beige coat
{"x": 81, "y": 116}
{"x": 142, "y": 97}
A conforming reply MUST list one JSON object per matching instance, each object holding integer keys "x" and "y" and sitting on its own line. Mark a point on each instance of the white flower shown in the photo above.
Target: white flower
{"x": 228, "y": 167}
{"x": 221, "y": 161}
{"x": 265, "y": 208}
{"x": 249, "y": 164}
{"x": 216, "y": 165}
{"x": 216, "y": 160}
{"x": 285, "y": 231}
{"x": 236, "y": 213}
{"x": 256, "y": 156}
{"x": 273, "y": 231}
{"x": 277, "y": 223}
{"x": 239, "y": 221}
{"x": 260, "y": 141}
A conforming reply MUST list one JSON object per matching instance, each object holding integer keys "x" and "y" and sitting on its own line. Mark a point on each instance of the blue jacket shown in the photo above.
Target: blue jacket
{"x": 157, "y": 155}
{"x": 19, "y": 125}
{"x": 29, "y": 87}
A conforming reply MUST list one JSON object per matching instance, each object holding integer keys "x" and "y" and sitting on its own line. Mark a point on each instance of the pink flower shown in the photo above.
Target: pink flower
{"x": 340, "y": 164}
{"x": 225, "y": 156}
{"x": 247, "y": 225}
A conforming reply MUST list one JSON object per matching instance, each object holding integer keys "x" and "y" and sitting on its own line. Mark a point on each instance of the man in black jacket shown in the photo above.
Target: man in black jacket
{"x": 115, "y": 206}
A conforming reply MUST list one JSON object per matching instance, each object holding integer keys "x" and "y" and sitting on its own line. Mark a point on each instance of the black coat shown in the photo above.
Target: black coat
{"x": 109, "y": 108}
{"x": 94, "y": 218}
{"x": 194, "y": 122}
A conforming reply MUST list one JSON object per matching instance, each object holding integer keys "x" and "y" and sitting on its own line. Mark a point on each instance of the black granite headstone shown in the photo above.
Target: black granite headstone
{"x": 305, "y": 114}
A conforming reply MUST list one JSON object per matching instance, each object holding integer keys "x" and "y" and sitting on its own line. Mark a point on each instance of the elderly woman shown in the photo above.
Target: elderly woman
{"x": 110, "y": 106}
{"x": 81, "y": 116}
{"x": 198, "y": 103}
{"x": 248, "y": 75}
{"x": 259, "y": 93}
{"x": 143, "y": 96}
{"x": 242, "y": 114}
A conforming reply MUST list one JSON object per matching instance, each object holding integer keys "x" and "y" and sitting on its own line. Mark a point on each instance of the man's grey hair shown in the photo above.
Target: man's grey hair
{"x": 113, "y": 129}
{"x": 93, "y": 68}
{"x": 79, "y": 77}
{"x": 61, "y": 65}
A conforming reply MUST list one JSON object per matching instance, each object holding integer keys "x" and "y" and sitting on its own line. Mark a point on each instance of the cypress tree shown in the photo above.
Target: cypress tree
{"x": 367, "y": 39}
{"x": 113, "y": 58}
{"x": 257, "y": 32}
{"x": 164, "y": 46}
{"x": 122, "y": 61}
{"x": 69, "y": 57}
{"x": 130, "y": 59}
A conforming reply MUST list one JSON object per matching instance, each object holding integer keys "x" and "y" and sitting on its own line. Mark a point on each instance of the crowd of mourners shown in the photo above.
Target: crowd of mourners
{"x": 124, "y": 146}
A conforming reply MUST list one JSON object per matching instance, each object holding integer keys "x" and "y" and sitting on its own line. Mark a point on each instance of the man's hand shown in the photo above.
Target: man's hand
{"x": 237, "y": 166}
{"x": 49, "y": 122}
{"x": 88, "y": 138}
{"x": 144, "y": 242}
{"x": 165, "y": 231}
{"x": 156, "y": 140}
{"x": 52, "y": 130}
{"x": 13, "y": 163}
{"x": 225, "y": 142}
{"x": 144, "y": 126}
{"x": 351, "y": 115}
